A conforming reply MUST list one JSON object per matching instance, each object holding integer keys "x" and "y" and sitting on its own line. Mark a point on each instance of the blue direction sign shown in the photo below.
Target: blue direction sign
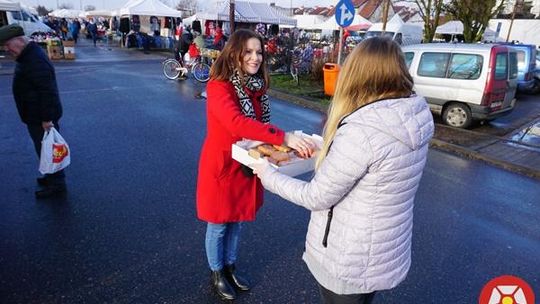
{"x": 344, "y": 13}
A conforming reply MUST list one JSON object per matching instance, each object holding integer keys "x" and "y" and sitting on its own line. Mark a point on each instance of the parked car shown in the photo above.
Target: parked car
{"x": 535, "y": 89}
{"x": 402, "y": 33}
{"x": 30, "y": 23}
{"x": 464, "y": 82}
{"x": 526, "y": 55}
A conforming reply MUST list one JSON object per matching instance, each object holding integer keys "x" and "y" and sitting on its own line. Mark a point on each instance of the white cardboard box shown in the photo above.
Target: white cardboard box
{"x": 240, "y": 153}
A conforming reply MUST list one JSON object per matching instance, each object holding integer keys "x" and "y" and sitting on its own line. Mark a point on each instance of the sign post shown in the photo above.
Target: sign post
{"x": 344, "y": 18}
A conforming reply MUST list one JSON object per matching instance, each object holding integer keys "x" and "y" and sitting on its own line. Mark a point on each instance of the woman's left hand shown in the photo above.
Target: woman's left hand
{"x": 260, "y": 166}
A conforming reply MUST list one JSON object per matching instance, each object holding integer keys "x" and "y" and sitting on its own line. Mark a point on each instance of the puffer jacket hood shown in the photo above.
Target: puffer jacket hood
{"x": 397, "y": 118}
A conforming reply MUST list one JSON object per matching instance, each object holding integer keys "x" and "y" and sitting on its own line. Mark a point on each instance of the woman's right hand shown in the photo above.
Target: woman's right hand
{"x": 304, "y": 146}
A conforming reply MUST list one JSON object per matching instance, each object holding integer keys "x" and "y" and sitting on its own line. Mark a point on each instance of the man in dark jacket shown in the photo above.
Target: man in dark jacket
{"x": 36, "y": 96}
{"x": 185, "y": 41}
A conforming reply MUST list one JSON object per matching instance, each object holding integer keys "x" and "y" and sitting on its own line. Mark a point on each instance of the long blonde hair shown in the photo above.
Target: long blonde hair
{"x": 374, "y": 70}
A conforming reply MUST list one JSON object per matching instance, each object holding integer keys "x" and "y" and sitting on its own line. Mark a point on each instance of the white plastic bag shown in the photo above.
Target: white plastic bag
{"x": 55, "y": 153}
{"x": 187, "y": 59}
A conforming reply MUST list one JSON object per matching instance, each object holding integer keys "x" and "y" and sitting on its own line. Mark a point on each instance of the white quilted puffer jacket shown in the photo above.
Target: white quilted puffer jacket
{"x": 361, "y": 198}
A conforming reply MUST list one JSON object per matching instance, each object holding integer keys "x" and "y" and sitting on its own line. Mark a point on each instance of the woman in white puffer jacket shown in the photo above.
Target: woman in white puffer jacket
{"x": 361, "y": 197}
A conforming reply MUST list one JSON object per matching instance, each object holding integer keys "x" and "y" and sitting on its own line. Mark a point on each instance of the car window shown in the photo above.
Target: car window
{"x": 513, "y": 65}
{"x": 521, "y": 60}
{"x": 465, "y": 66}
{"x": 26, "y": 17}
{"x": 501, "y": 66}
{"x": 378, "y": 34}
{"x": 398, "y": 38}
{"x": 408, "y": 58}
{"x": 16, "y": 15}
{"x": 433, "y": 64}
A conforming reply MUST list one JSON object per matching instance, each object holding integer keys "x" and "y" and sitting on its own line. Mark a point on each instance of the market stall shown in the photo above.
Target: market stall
{"x": 148, "y": 23}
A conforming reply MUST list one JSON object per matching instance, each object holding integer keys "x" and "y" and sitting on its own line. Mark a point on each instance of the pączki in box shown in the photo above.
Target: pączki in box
{"x": 242, "y": 151}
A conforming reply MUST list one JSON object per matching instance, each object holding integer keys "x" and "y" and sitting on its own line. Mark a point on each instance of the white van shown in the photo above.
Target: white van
{"x": 464, "y": 82}
{"x": 30, "y": 23}
{"x": 404, "y": 33}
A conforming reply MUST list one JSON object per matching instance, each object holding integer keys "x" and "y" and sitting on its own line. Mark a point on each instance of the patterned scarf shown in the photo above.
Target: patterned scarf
{"x": 254, "y": 84}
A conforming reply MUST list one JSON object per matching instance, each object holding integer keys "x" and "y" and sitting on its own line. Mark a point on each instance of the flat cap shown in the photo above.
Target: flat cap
{"x": 10, "y": 31}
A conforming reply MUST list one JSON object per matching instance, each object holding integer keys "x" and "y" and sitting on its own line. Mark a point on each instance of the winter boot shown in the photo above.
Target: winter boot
{"x": 235, "y": 280}
{"x": 222, "y": 287}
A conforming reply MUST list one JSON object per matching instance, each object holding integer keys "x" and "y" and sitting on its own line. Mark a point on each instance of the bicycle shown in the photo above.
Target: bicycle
{"x": 301, "y": 59}
{"x": 173, "y": 69}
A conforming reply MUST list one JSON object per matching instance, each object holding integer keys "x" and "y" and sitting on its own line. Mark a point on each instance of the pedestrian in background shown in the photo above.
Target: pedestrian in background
{"x": 75, "y": 28}
{"x": 185, "y": 41}
{"x": 36, "y": 96}
{"x": 227, "y": 192}
{"x": 219, "y": 39}
{"x": 64, "y": 28}
{"x": 361, "y": 197}
{"x": 92, "y": 29}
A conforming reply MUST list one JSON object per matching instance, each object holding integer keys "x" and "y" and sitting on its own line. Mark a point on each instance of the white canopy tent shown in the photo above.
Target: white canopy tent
{"x": 148, "y": 8}
{"x": 9, "y": 5}
{"x": 456, "y": 28}
{"x": 358, "y": 23}
{"x": 96, "y": 13}
{"x": 309, "y": 22}
{"x": 201, "y": 16}
{"x": 250, "y": 12}
{"x": 65, "y": 13}
{"x": 396, "y": 19}
{"x": 450, "y": 28}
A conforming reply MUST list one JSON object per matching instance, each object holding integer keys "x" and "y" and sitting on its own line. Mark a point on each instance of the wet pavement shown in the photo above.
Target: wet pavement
{"x": 126, "y": 232}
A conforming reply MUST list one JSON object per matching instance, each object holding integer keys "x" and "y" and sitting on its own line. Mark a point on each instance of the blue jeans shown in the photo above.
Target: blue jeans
{"x": 222, "y": 244}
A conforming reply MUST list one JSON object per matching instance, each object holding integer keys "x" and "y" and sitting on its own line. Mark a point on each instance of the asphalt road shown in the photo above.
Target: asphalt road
{"x": 127, "y": 232}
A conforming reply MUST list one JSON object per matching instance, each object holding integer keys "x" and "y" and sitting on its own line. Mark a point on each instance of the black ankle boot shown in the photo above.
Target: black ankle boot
{"x": 236, "y": 281}
{"x": 221, "y": 285}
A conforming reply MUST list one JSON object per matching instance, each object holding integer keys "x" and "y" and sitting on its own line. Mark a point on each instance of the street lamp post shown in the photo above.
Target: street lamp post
{"x": 231, "y": 15}
{"x": 386, "y": 6}
{"x": 517, "y": 5}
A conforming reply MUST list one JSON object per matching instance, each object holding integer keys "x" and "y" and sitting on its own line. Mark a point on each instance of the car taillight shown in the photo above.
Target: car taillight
{"x": 528, "y": 76}
{"x": 493, "y": 100}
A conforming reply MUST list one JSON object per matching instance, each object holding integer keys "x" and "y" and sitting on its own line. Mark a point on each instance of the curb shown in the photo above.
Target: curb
{"x": 435, "y": 143}
{"x": 471, "y": 154}
{"x": 301, "y": 101}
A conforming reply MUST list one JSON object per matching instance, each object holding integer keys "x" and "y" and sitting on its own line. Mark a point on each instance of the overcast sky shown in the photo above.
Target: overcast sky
{"x": 113, "y": 4}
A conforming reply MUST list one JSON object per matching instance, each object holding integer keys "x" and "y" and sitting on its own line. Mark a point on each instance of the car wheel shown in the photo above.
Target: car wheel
{"x": 457, "y": 115}
{"x": 535, "y": 89}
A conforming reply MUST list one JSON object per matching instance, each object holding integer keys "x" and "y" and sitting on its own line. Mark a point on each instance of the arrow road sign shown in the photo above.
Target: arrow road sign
{"x": 344, "y": 13}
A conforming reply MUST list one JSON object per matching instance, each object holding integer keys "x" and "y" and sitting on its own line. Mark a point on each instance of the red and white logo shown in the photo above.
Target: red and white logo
{"x": 506, "y": 290}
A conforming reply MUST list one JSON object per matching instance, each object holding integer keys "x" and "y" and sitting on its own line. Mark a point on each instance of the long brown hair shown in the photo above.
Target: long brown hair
{"x": 374, "y": 70}
{"x": 232, "y": 57}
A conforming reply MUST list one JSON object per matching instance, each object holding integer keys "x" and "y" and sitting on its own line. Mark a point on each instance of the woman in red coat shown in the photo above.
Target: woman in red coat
{"x": 227, "y": 192}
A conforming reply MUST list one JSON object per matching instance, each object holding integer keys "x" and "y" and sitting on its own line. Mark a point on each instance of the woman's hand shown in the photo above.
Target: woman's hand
{"x": 304, "y": 146}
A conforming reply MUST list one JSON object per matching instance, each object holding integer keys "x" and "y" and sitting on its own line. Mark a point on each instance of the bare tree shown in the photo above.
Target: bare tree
{"x": 430, "y": 11}
{"x": 88, "y": 8}
{"x": 66, "y": 6}
{"x": 42, "y": 10}
{"x": 475, "y": 15}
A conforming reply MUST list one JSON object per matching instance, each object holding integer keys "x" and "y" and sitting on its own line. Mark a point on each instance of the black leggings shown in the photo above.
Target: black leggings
{"x": 329, "y": 297}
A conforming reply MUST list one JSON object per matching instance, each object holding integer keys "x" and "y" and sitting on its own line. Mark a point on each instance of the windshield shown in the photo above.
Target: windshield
{"x": 378, "y": 34}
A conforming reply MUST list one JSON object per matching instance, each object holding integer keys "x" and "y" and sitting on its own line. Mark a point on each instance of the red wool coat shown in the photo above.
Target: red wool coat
{"x": 224, "y": 193}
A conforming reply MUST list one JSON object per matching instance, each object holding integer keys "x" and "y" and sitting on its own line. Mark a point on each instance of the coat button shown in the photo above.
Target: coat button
{"x": 272, "y": 130}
